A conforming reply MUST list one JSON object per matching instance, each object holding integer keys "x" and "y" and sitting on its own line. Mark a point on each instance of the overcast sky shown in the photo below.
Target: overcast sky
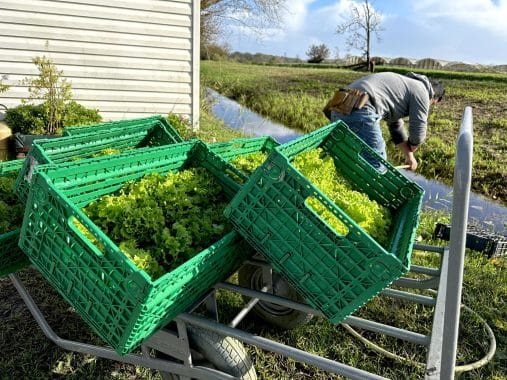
{"x": 471, "y": 31}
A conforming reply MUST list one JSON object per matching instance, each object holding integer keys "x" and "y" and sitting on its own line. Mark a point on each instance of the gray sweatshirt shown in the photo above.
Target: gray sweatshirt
{"x": 395, "y": 96}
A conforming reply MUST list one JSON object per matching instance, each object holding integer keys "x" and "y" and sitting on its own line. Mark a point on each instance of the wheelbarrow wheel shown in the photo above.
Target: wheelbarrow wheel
{"x": 251, "y": 276}
{"x": 223, "y": 353}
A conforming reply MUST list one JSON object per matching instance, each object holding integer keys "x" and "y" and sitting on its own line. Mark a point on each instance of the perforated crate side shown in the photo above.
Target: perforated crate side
{"x": 490, "y": 243}
{"x": 389, "y": 189}
{"x": 75, "y": 130}
{"x": 121, "y": 124}
{"x": 336, "y": 274}
{"x": 9, "y": 167}
{"x": 151, "y": 132}
{"x": 119, "y": 301}
{"x": 230, "y": 150}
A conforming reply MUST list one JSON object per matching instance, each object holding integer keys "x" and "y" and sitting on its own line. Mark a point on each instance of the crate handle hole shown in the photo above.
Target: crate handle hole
{"x": 321, "y": 209}
{"x": 87, "y": 236}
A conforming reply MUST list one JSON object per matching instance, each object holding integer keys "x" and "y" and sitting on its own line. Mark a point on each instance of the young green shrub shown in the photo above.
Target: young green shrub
{"x": 54, "y": 91}
{"x": 26, "y": 119}
{"x": 30, "y": 119}
{"x": 77, "y": 114}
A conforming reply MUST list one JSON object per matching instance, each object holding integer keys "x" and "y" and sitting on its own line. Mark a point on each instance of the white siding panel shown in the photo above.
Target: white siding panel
{"x": 17, "y": 56}
{"x": 56, "y": 33}
{"x": 85, "y": 48}
{"x": 118, "y": 85}
{"x": 84, "y": 23}
{"x": 103, "y": 73}
{"x": 119, "y": 96}
{"x": 106, "y": 115}
{"x": 128, "y": 96}
{"x": 162, "y": 6}
{"x": 138, "y": 107}
{"x": 95, "y": 12}
{"x": 127, "y": 58}
{"x": 128, "y": 110}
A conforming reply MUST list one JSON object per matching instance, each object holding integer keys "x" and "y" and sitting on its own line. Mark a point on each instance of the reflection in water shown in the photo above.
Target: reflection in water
{"x": 252, "y": 124}
{"x": 482, "y": 211}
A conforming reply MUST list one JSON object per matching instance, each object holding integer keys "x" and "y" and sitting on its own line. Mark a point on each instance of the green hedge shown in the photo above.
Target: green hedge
{"x": 30, "y": 119}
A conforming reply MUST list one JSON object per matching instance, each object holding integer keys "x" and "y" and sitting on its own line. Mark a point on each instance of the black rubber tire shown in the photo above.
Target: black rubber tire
{"x": 250, "y": 276}
{"x": 227, "y": 354}
{"x": 212, "y": 350}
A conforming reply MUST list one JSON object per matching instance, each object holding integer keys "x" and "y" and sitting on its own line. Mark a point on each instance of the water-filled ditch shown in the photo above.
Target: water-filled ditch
{"x": 483, "y": 212}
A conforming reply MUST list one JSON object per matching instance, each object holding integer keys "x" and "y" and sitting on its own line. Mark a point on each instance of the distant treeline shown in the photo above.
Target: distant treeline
{"x": 262, "y": 58}
{"x": 447, "y": 70}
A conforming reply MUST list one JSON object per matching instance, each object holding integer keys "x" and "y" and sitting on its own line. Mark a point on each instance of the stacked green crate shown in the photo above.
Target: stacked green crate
{"x": 231, "y": 149}
{"x": 336, "y": 273}
{"x": 119, "y": 301}
{"x": 11, "y": 257}
{"x": 109, "y": 125}
{"x": 89, "y": 141}
{"x": 78, "y": 143}
{"x": 81, "y": 142}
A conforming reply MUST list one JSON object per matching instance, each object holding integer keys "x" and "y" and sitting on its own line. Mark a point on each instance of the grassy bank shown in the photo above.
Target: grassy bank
{"x": 28, "y": 354}
{"x": 295, "y": 97}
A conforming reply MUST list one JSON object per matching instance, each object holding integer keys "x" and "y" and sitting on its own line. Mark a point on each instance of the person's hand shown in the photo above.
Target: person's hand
{"x": 408, "y": 152}
{"x": 411, "y": 161}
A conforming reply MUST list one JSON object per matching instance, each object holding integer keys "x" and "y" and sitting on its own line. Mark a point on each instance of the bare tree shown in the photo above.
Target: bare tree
{"x": 257, "y": 15}
{"x": 362, "y": 22}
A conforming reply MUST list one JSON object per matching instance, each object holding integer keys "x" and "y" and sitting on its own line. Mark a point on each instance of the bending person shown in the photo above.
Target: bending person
{"x": 390, "y": 97}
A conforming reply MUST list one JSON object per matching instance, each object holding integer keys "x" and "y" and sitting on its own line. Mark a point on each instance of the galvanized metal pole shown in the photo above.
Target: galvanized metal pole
{"x": 164, "y": 366}
{"x": 444, "y": 368}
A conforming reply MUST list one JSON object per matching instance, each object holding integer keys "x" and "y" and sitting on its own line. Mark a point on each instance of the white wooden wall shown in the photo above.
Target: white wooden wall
{"x": 128, "y": 58}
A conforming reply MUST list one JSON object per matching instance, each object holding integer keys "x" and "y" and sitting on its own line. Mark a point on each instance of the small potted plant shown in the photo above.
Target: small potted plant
{"x": 41, "y": 114}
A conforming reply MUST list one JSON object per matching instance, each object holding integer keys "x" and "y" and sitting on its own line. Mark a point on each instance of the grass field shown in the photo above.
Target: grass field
{"x": 28, "y": 354}
{"x": 295, "y": 97}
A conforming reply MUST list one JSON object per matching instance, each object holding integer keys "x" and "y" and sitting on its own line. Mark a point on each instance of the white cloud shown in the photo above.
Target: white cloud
{"x": 470, "y": 30}
{"x": 297, "y": 12}
{"x": 485, "y": 14}
{"x": 300, "y": 19}
{"x": 337, "y": 12}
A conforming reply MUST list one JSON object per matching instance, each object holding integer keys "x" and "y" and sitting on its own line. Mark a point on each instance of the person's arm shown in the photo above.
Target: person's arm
{"x": 397, "y": 131}
{"x": 408, "y": 151}
{"x": 399, "y": 137}
{"x": 419, "y": 109}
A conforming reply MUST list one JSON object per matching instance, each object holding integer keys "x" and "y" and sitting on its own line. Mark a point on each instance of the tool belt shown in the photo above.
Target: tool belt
{"x": 344, "y": 100}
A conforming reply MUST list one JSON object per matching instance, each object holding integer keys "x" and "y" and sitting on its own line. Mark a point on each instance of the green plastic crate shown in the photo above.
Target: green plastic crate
{"x": 85, "y": 142}
{"x": 119, "y": 301}
{"x": 109, "y": 125}
{"x": 11, "y": 257}
{"x": 231, "y": 149}
{"x": 335, "y": 273}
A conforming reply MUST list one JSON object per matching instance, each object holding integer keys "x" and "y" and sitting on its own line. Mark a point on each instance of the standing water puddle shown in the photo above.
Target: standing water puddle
{"x": 482, "y": 211}
{"x": 236, "y": 116}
